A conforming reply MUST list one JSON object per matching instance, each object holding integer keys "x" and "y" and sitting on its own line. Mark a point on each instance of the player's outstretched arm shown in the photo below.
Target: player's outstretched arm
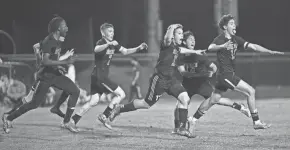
{"x": 260, "y": 48}
{"x": 189, "y": 51}
{"x": 68, "y": 54}
{"x": 127, "y": 51}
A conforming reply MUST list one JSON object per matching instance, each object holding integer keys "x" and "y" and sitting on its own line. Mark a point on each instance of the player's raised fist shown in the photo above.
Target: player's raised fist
{"x": 143, "y": 46}
{"x": 114, "y": 43}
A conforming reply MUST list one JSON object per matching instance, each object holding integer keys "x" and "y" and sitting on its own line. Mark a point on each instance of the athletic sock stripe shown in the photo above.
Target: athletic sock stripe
{"x": 153, "y": 85}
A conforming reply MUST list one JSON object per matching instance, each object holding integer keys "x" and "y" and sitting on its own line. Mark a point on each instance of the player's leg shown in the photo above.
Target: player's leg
{"x": 138, "y": 91}
{"x": 64, "y": 83}
{"x": 132, "y": 93}
{"x": 155, "y": 91}
{"x": 178, "y": 91}
{"x": 249, "y": 91}
{"x": 96, "y": 91}
{"x": 37, "y": 99}
{"x": 56, "y": 108}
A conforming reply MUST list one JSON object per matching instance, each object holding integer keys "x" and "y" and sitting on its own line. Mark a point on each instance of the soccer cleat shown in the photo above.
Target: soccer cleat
{"x": 174, "y": 131}
{"x": 185, "y": 132}
{"x": 191, "y": 125}
{"x": 57, "y": 111}
{"x": 70, "y": 126}
{"x": 6, "y": 123}
{"x": 105, "y": 121}
{"x": 261, "y": 125}
{"x": 245, "y": 110}
{"x": 115, "y": 112}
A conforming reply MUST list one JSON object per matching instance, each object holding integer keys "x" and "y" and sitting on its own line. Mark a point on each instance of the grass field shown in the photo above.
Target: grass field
{"x": 221, "y": 128}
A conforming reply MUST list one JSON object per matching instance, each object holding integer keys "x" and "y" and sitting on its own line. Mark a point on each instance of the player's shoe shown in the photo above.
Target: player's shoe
{"x": 175, "y": 130}
{"x": 70, "y": 126}
{"x": 191, "y": 125}
{"x": 57, "y": 111}
{"x": 261, "y": 125}
{"x": 105, "y": 121}
{"x": 184, "y": 132}
{"x": 115, "y": 112}
{"x": 6, "y": 123}
{"x": 245, "y": 110}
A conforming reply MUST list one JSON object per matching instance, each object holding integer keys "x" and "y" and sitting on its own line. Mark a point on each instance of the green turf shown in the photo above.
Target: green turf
{"x": 221, "y": 128}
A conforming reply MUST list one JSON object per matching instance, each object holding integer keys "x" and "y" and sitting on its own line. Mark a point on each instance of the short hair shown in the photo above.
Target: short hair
{"x": 225, "y": 20}
{"x": 54, "y": 24}
{"x": 105, "y": 26}
{"x": 187, "y": 34}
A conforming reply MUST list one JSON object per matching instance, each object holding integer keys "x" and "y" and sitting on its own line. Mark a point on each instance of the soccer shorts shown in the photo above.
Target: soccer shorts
{"x": 226, "y": 81}
{"x": 102, "y": 84}
{"x": 201, "y": 86}
{"x": 159, "y": 85}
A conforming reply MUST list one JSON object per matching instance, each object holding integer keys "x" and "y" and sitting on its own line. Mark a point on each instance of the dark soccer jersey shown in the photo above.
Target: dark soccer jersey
{"x": 168, "y": 60}
{"x": 53, "y": 47}
{"x": 198, "y": 65}
{"x": 103, "y": 58}
{"x": 226, "y": 57}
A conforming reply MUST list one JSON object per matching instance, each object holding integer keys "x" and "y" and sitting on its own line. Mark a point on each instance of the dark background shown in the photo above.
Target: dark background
{"x": 260, "y": 21}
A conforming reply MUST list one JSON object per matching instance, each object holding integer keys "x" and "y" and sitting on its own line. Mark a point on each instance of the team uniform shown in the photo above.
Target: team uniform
{"x": 100, "y": 82}
{"x": 226, "y": 76}
{"x": 198, "y": 83}
{"x": 135, "y": 89}
{"x": 166, "y": 77}
{"x": 48, "y": 76}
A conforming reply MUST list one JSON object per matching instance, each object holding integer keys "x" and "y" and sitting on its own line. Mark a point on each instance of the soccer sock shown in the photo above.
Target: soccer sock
{"x": 183, "y": 116}
{"x": 16, "y": 106}
{"x": 255, "y": 116}
{"x": 107, "y": 111}
{"x": 176, "y": 118}
{"x": 198, "y": 114}
{"x": 68, "y": 114}
{"x": 128, "y": 107}
{"x": 237, "y": 106}
{"x": 76, "y": 118}
{"x": 20, "y": 111}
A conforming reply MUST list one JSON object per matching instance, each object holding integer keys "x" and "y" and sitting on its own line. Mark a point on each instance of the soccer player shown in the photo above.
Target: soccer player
{"x": 165, "y": 79}
{"x": 135, "y": 87}
{"x": 50, "y": 75}
{"x": 100, "y": 83}
{"x": 197, "y": 71}
{"x": 226, "y": 45}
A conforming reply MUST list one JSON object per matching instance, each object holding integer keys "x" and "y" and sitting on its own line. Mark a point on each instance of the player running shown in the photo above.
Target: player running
{"x": 226, "y": 45}
{"x": 197, "y": 71}
{"x": 165, "y": 79}
{"x": 100, "y": 83}
{"x": 50, "y": 75}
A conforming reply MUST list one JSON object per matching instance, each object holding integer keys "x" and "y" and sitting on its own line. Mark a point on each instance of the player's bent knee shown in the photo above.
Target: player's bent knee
{"x": 215, "y": 98}
{"x": 94, "y": 100}
{"x": 184, "y": 98}
{"x": 120, "y": 92}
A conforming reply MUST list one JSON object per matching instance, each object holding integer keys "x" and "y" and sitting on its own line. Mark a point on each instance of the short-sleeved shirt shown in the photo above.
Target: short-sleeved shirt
{"x": 226, "y": 57}
{"x": 168, "y": 60}
{"x": 103, "y": 58}
{"x": 53, "y": 47}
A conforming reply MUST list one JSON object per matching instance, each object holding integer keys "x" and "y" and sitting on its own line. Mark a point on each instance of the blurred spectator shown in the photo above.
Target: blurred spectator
{"x": 12, "y": 90}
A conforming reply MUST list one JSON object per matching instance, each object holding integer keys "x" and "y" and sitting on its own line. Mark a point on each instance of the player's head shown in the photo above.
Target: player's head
{"x": 107, "y": 31}
{"x": 227, "y": 24}
{"x": 178, "y": 35}
{"x": 58, "y": 25}
{"x": 188, "y": 40}
{"x": 134, "y": 61}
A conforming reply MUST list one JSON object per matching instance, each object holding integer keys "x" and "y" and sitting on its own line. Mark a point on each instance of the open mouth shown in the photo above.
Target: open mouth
{"x": 234, "y": 31}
